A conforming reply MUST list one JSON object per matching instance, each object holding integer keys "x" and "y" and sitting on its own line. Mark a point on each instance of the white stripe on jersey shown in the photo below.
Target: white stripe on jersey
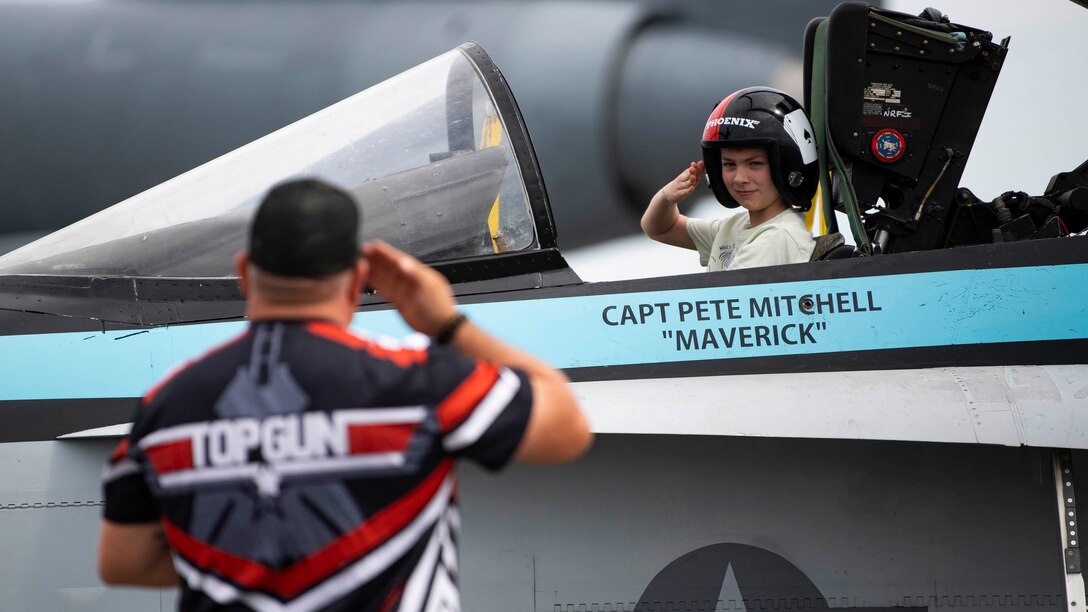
{"x": 249, "y": 471}
{"x": 430, "y": 582}
{"x": 124, "y": 467}
{"x": 380, "y": 416}
{"x": 444, "y": 594}
{"x": 489, "y": 409}
{"x": 449, "y": 544}
{"x": 174, "y": 434}
{"x": 347, "y": 416}
{"x": 185, "y": 478}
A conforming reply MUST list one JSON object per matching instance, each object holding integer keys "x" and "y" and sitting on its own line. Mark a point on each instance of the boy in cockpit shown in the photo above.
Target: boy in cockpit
{"x": 759, "y": 153}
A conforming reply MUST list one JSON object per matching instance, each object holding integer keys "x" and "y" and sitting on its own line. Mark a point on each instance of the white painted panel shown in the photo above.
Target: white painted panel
{"x": 1008, "y": 405}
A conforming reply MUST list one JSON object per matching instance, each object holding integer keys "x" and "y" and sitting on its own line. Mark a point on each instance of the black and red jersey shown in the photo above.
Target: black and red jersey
{"x": 300, "y": 467}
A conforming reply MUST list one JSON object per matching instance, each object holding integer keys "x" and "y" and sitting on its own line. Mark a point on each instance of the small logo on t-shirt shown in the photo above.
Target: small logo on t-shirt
{"x": 725, "y": 254}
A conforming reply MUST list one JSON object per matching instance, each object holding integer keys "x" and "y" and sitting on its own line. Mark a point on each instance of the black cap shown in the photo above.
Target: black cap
{"x": 305, "y": 228}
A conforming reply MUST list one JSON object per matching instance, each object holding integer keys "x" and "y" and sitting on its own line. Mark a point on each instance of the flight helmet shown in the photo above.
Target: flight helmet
{"x": 765, "y": 118}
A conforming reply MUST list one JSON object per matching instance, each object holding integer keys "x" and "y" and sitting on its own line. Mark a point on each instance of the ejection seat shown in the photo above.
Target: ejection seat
{"x": 832, "y": 246}
{"x": 896, "y": 101}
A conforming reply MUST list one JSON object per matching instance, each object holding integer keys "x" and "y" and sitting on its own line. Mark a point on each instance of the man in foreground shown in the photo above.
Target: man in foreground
{"x": 302, "y": 467}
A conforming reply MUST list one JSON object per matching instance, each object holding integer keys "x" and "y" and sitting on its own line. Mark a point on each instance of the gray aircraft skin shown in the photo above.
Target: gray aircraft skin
{"x": 918, "y": 478}
{"x": 116, "y": 97}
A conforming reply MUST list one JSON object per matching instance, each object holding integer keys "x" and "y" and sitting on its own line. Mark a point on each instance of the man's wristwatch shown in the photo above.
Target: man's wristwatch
{"x": 445, "y": 333}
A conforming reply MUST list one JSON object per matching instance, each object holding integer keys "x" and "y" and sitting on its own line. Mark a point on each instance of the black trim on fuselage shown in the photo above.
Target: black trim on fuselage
{"x": 40, "y": 420}
{"x": 1050, "y": 352}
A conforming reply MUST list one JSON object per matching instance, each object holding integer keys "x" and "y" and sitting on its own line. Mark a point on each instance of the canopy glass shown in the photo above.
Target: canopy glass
{"x": 426, "y": 153}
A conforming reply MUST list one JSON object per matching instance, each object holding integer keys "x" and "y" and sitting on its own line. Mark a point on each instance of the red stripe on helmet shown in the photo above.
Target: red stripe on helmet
{"x": 712, "y": 131}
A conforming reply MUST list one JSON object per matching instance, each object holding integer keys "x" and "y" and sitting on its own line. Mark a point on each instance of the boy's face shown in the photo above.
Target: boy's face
{"x": 747, "y": 175}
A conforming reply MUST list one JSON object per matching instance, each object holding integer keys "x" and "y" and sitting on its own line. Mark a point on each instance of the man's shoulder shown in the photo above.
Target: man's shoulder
{"x": 404, "y": 352}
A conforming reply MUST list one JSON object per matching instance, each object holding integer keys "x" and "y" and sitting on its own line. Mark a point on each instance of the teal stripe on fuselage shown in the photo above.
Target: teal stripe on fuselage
{"x": 851, "y": 314}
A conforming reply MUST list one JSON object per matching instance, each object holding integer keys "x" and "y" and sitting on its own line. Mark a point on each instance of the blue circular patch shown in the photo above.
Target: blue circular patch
{"x": 889, "y": 145}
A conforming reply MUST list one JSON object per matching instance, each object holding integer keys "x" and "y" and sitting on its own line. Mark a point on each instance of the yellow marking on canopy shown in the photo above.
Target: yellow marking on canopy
{"x": 492, "y": 137}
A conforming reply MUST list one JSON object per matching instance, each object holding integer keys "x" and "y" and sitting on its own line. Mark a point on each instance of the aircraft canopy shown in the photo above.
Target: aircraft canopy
{"x": 429, "y": 154}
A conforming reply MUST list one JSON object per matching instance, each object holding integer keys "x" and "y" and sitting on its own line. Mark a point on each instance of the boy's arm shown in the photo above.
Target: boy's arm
{"x": 662, "y": 221}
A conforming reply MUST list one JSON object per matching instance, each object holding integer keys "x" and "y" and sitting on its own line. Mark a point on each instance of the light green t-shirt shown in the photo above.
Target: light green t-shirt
{"x": 729, "y": 244}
